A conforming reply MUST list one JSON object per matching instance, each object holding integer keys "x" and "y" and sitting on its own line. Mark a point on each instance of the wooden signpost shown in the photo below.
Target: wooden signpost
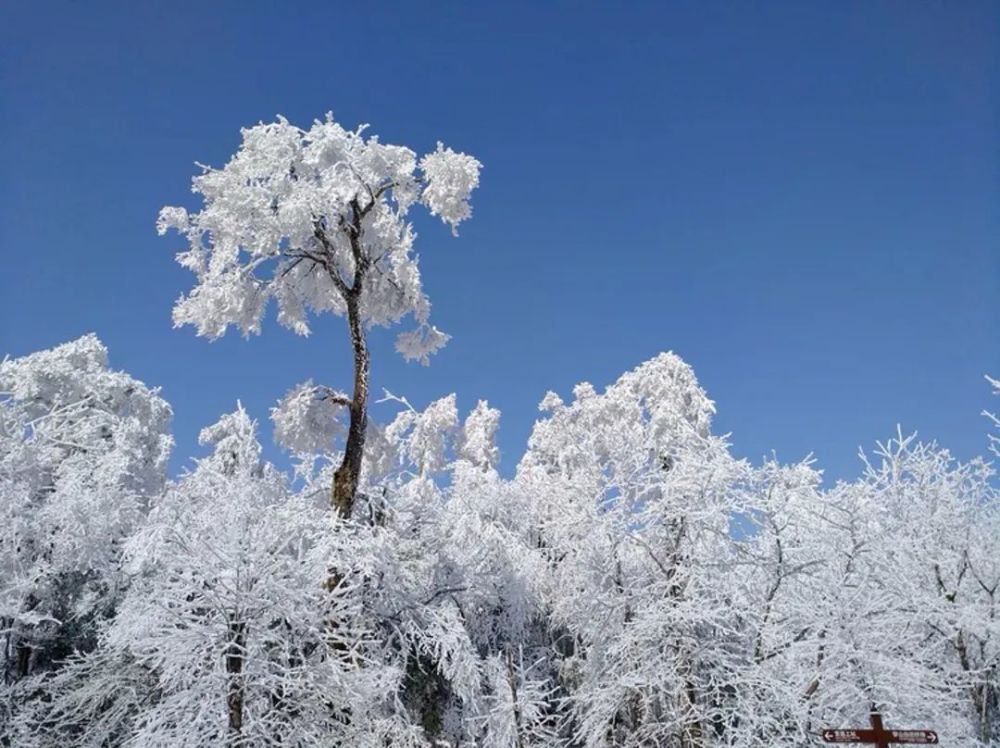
{"x": 879, "y": 735}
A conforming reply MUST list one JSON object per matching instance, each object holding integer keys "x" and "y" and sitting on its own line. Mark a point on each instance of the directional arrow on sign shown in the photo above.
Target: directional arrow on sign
{"x": 914, "y": 736}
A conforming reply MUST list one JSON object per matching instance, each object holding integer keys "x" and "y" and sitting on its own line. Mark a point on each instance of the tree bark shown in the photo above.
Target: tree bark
{"x": 235, "y": 693}
{"x": 23, "y": 660}
{"x": 348, "y": 475}
{"x": 512, "y": 681}
{"x": 345, "y": 480}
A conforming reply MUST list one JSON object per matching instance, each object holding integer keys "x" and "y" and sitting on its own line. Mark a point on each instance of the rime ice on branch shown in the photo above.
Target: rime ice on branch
{"x": 317, "y": 220}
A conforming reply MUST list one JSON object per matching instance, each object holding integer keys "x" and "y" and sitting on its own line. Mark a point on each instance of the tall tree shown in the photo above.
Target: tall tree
{"x": 317, "y": 220}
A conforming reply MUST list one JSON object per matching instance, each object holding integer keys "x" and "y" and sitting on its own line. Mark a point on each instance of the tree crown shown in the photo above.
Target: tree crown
{"x": 317, "y": 220}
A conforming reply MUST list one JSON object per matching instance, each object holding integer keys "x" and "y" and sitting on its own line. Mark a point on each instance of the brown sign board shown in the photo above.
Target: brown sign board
{"x": 925, "y": 737}
{"x": 879, "y": 735}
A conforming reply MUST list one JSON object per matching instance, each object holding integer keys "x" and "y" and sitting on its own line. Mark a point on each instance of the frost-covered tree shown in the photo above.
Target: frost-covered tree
{"x": 878, "y": 594}
{"x": 316, "y": 219}
{"x": 918, "y": 542}
{"x": 223, "y": 637}
{"x": 451, "y": 581}
{"x": 700, "y": 602}
{"x": 82, "y": 450}
{"x": 776, "y": 559}
{"x": 633, "y": 499}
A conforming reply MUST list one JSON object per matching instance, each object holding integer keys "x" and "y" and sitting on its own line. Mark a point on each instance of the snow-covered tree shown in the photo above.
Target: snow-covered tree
{"x": 451, "y": 579}
{"x": 226, "y": 635}
{"x": 705, "y": 603}
{"x": 633, "y": 500}
{"x": 875, "y": 595}
{"x": 316, "y": 219}
{"x": 82, "y": 450}
{"x": 920, "y": 576}
{"x": 776, "y": 561}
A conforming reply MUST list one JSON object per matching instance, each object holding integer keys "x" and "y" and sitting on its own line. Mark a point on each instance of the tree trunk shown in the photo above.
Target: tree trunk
{"x": 345, "y": 480}
{"x": 234, "y": 668}
{"x": 23, "y": 659}
{"x": 512, "y": 681}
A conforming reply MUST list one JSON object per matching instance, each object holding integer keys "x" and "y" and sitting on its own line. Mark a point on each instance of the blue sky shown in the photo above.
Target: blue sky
{"x": 800, "y": 199}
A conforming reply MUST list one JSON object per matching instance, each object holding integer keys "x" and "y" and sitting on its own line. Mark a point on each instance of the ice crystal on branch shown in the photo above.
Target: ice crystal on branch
{"x": 478, "y": 444}
{"x": 307, "y": 419}
{"x": 994, "y": 440}
{"x": 451, "y": 178}
{"x": 421, "y": 344}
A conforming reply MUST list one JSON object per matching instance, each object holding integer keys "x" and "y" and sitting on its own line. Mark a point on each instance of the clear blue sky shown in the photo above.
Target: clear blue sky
{"x": 799, "y": 198}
